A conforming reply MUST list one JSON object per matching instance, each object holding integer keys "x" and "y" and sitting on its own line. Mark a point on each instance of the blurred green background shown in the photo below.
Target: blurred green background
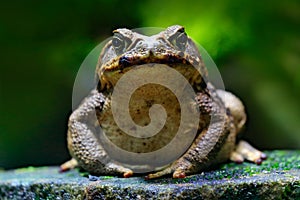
{"x": 255, "y": 44}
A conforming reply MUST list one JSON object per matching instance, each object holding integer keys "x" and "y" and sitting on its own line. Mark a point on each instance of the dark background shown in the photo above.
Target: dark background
{"x": 255, "y": 44}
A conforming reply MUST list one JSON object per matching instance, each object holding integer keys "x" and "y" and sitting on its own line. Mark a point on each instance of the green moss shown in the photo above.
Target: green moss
{"x": 25, "y": 169}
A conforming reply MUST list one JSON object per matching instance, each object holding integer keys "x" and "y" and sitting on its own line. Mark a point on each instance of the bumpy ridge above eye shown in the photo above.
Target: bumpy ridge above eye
{"x": 179, "y": 39}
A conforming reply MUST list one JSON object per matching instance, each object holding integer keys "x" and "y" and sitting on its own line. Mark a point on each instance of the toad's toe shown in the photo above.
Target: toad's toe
{"x": 179, "y": 174}
{"x": 128, "y": 174}
{"x": 68, "y": 165}
{"x": 236, "y": 157}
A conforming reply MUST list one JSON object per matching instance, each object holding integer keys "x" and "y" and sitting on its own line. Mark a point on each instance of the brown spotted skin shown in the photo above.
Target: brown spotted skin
{"x": 221, "y": 119}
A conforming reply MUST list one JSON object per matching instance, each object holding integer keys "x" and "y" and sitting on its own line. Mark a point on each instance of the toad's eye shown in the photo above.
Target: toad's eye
{"x": 179, "y": 39}
{"x": 120, "y": 43}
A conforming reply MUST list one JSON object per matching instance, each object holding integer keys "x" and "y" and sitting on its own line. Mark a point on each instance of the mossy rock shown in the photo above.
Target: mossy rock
{"x": 277, "y": 178}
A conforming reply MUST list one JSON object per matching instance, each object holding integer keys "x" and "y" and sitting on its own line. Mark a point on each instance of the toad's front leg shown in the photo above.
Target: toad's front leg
{"x": 203, "y": 153}
{"x": 83, "y": 144}
{"x": 214, "y": 129}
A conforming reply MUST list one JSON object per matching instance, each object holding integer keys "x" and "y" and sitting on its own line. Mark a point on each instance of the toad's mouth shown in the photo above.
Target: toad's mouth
{"x": 113, "y": 71}
{"x": 125, "y": 61}
{"x": 165, "y": 59}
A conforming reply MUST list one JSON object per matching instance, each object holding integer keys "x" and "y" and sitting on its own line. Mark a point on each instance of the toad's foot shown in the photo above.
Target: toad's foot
{"x": 161, "y": 173}
{"x": 245, "y": 151}
{"x": 112, "y": 168}
{"x": 178, "y": 172}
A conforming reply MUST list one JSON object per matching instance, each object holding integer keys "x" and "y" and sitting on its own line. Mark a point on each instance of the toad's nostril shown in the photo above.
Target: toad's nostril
{"x": 124, "y": 61}
{"x": 151, "y": 52}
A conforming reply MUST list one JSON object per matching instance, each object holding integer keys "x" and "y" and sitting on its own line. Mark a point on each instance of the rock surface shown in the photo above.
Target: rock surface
{"x": 277, "y": 178}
